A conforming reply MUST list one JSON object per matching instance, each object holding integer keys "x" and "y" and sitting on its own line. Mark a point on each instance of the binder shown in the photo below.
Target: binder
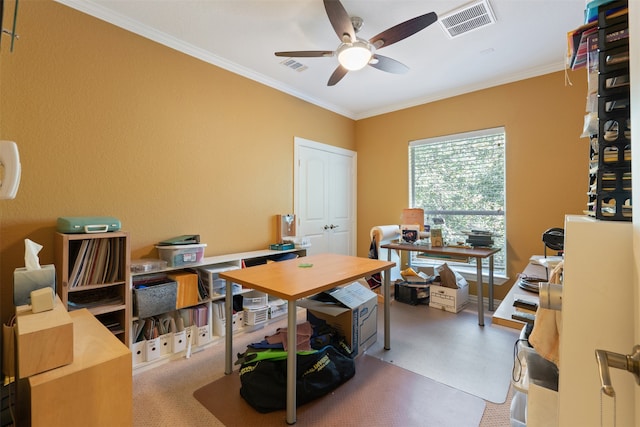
{"x": 187, "y": 293}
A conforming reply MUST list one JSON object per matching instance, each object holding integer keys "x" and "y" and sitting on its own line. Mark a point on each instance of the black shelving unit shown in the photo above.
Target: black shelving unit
{"x": 611, "y": 152}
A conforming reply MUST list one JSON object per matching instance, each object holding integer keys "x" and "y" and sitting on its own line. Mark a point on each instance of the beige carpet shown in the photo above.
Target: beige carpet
{"x": 380, "y": 394}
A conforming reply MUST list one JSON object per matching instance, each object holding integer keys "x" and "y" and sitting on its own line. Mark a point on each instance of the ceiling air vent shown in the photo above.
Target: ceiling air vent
{"x": 293, "y": 64}
{"x": 467, "y": 18}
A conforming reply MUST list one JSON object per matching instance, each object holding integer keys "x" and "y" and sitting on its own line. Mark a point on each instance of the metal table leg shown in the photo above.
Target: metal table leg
{"x": 479, "y": 286}
{"x": 491, "y": 283}
{"x": 387, "y": 309}
{"x": 292, "y": 346}
{"x": 228, "y": 315}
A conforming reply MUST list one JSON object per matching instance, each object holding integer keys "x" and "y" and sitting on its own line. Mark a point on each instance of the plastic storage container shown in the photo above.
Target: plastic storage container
{"x": 179, "y": 255}
{"x": 253, "y": 300}
{"x": 519, "y": 410}
{"x": 411, "y": 295}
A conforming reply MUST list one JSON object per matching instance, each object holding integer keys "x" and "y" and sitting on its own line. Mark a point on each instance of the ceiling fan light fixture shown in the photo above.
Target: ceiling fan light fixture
{"x": 354, "y": 56}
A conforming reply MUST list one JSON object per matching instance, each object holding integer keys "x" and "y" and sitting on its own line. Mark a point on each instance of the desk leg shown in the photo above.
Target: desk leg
{"x": 387, "y": 309}
{"x": 292, "y": 346}
{"x": 479, "y": 287}
{"x": 491, "y": 283}
{"x": 228, "y": 334}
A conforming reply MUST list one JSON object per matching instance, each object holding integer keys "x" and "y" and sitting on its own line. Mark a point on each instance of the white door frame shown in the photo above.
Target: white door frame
{"x": 302, "y": 142}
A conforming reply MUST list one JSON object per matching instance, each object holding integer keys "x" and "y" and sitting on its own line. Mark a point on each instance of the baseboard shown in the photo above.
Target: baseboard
{"x": 496, "y": 302}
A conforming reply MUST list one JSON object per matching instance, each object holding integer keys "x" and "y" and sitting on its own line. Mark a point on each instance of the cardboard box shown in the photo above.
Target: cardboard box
{"x": 449, "y": 299}
{"x": 352, "y": 309}
{"x": 44, "y": 340}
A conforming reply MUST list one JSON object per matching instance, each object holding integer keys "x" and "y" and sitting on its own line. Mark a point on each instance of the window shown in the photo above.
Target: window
{"x": 459, "y": 182}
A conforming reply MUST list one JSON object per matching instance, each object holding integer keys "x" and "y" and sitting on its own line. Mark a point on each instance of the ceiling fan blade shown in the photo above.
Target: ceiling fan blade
{"x": 306, "y": 53}
{"x": 339, "y": 19}
{"x": 337, "y": 75}
{"x": 389, "y": 65}
{"x": 403, "y": 30}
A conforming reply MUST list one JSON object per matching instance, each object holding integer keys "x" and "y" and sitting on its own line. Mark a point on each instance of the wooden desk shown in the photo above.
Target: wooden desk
{"x": 299, "y": 278}
{"x": 502, "y": 315}
{"x": 478, "y": 253}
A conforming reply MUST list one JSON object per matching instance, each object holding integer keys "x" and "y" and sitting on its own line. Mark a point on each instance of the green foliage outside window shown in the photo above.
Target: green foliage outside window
{"x": 460, "y": 180}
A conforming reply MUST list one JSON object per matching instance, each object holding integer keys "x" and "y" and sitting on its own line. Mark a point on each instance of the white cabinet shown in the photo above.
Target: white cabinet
{"x": 597, "y": 313}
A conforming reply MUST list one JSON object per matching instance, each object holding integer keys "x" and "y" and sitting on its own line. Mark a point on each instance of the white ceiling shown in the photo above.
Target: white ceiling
{"x": 528, "y": 39}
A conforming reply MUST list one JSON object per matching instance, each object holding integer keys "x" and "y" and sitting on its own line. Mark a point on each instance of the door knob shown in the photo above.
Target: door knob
{"x": 629, "y": 362}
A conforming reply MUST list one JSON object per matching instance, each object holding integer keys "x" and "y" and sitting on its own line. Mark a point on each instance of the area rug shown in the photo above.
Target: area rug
{"x": 380, "y": 394}
{"x": 461, "y": 354}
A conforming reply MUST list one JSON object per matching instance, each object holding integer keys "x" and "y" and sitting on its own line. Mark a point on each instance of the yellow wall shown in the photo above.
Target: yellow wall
{"x": 109, "y": 123}
{"x": 547, "y": 162}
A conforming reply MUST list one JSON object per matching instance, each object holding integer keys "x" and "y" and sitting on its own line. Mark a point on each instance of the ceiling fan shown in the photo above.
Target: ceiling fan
{"x": 355, "y": 53}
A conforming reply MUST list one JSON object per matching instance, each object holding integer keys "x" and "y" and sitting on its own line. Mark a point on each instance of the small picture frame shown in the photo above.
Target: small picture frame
{"x": 436, "y": 237}
{"x": 410, "y": 233}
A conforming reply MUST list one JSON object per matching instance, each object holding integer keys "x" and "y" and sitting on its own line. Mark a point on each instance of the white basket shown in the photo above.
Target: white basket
{"x": 256, "y": 316}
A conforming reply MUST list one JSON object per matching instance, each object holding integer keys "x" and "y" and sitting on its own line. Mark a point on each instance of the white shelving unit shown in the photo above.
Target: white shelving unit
{"x": 173, "y": 345}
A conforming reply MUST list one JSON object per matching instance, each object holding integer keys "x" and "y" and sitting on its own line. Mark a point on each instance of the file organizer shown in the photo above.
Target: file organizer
{"x": 612, "y": 199}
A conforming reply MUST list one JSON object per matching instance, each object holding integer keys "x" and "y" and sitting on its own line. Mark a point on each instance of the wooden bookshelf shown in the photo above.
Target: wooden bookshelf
{"x": 93, "y": 272}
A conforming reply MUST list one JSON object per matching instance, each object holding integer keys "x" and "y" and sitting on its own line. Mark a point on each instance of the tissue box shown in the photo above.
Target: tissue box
{"x": 25, "y": 281}
{"x": 43, "y": 340}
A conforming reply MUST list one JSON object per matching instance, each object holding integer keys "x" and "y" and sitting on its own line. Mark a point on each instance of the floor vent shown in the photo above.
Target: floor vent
{"x": 294, "y": 65}
{"x": 470, "y": 17}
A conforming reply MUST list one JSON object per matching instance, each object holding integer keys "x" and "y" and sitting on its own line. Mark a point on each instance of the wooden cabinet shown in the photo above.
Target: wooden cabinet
{"x": 95, "y": 389}
{"x": 93, "y": 273}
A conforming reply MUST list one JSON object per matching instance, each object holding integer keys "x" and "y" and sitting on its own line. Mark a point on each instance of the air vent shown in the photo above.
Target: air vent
{"x": 470, "y": 17}
{"x": 294, "y": 65}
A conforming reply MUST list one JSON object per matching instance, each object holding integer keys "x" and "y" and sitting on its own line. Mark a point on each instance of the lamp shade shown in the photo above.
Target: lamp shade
{"x": 354, "y": 56}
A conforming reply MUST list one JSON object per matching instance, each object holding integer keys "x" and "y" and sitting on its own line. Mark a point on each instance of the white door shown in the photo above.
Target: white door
{"x": 325, "y": 197}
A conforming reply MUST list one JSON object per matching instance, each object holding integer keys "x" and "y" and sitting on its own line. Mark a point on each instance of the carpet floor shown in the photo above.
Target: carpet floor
{"x": 380, "y": 394}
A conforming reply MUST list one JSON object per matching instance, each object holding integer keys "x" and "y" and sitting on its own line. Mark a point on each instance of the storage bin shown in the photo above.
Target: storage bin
{"x": 156, "y": 299}
{"x": 277, "y": 307}
{"x": 180, "y": 255}
{"x": 166, "y": 344}
{"x": 411, "y": 295}
{"x": 204, "y": 335}
{"x": 153, "y": 349}
{"x": 519, "y": 409}
{"x": 138, "y": 352}
{"x": 219, "y": 322}
{"x": 254, "y": 300}
{"x": 256, "y": 316}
